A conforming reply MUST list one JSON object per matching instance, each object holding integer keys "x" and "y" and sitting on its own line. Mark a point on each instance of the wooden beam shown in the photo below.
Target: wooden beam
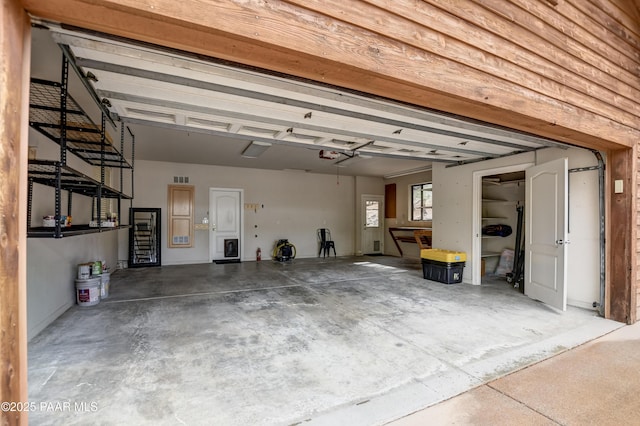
{"x": 634, "y": 285}
{"x": 14, "y": 45}
{"x": 288, "y": 38}
{"x": 621, "y": 236}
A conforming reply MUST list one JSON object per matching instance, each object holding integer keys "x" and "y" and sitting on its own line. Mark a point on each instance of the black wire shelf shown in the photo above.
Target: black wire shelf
{"x": 83, "y": 136}
{"x": 45, "y": 172}
{"x": 69, "y": 231}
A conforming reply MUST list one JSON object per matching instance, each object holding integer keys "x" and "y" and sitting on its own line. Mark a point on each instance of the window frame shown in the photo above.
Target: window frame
{"x": 423, "y": 207}
{"x": 379, "y": 219}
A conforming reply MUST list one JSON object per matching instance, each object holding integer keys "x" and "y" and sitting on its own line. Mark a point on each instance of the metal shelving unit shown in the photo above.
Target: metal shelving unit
{"x": 55, "y": 114}
{"x": 82, "y": 136}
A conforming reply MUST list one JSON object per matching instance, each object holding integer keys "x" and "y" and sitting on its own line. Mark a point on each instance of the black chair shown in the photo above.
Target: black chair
{"x": 326, "y": 243}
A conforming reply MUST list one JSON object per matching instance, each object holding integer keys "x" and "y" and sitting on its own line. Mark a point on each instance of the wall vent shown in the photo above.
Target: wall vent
{"x": 180, "y": 239}
{"x": 181, "y": 179}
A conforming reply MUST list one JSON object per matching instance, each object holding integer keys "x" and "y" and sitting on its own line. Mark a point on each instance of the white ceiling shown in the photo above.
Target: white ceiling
{"x": 184, "y": 109}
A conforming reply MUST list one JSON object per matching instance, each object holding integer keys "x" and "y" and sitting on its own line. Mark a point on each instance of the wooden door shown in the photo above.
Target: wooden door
{"x": 180, "y": 216}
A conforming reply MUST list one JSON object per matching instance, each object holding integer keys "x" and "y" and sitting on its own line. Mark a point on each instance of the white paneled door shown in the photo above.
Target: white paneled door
{"x": 225, "y": 224}
{"x": 547, "y": 233}
{"x": 372, "y": 224}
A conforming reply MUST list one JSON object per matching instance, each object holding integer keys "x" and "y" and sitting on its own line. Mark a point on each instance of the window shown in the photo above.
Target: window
{"x": 421, "y": 202}
{"x": 372, "y": 214}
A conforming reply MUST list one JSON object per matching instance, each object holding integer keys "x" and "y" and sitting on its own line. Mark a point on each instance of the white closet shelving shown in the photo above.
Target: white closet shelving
{"x": 499, "y": 201}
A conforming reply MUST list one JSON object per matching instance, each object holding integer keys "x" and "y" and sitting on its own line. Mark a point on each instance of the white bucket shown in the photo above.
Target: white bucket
{"x": 105, "y": 282}
{"x": 88, "y": 292}
{"x": 84, "y": 271}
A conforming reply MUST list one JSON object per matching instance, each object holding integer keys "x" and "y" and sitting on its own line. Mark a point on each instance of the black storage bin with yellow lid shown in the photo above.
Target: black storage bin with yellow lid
{"x": 444, "y": 266}
{"x": 443, "y": 272}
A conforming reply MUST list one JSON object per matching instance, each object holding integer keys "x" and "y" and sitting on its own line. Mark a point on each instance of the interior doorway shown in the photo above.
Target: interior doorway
{"x": 503, "y": 200}
{"x": 521, "y": 229}
{"x": 225, "y": 225}
{"x": 372, "y": 224}
{"x": 497, "y": 193}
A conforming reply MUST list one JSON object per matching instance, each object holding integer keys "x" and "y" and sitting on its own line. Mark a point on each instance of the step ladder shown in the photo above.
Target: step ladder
{"x": 144, "y": 242}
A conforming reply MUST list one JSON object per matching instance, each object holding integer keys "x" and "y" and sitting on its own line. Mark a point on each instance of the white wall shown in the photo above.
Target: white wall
{"x": 453, "y": 215}
{"x": 52, "y": 268}
{"x": 295, "y": 205}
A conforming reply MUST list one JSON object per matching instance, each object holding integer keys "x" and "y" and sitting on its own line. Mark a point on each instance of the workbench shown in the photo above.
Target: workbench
{"x": 419, "y": 235}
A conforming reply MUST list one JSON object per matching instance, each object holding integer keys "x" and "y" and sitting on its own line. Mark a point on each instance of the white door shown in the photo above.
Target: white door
{"x": 372, "y": 224}
{"x": 546, "y": 233}
{"x": 225, "y": 224}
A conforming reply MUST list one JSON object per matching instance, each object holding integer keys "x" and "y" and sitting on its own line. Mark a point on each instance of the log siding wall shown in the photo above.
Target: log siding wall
{"x": 517, "y": 42}
{"x": 565, "y": 69}
{"x": 635, "y": 295}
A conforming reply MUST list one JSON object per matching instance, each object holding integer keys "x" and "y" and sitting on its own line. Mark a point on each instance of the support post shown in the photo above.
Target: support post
{"x": 15, "y": 44}
{"x": 621, "y": 236}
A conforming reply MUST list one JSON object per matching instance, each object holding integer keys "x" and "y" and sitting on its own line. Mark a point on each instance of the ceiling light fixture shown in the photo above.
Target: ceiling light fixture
{"x": 255, "y": 149}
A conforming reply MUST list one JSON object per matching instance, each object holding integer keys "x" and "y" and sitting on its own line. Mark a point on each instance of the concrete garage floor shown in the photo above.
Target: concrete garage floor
{"x": 346, "y": 341}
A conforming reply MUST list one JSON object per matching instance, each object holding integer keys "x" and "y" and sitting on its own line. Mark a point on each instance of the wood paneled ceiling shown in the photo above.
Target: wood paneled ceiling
{"x": 152, "y": 89}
